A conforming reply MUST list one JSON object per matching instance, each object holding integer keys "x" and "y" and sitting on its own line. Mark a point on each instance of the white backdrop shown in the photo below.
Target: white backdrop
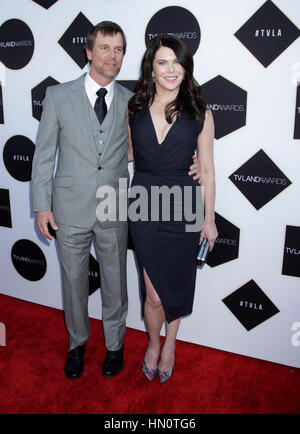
{"x": 270, "y": 124}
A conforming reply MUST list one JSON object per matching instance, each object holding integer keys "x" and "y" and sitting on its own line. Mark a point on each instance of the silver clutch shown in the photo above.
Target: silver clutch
{"x": 203, "y": 252}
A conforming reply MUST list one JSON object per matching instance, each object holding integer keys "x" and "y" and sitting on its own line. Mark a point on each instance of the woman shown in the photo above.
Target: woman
{"x": 168, "y": 121}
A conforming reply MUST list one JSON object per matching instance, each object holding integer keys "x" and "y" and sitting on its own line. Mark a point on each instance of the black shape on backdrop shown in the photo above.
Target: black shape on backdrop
{"x": 1, "y": 106}
{"x": 130, "y": 244}
{"x": 94, "y": 275}
{"x": 177, "y": 21}
{"x": 29, "y": 260}
{"x": 17, "y": 156}
{"x": 38, "y": 94}
{"x": 73, "y": 41}
{"x": 267, "y": 33}
{"x": 226, "y": 247}
{"x": 291, "y": 254}
{"x": 51, "y": 231}
{"x": 297, "y": 115}
{"x": 17, "y": 44}
{"x": 5, "y": 212}
{"x": 129, "y": 84}
{"x": 259, "y": 179}
{"x": 45, "y": 3}
{"x": 228, "y": 103}
{"x": 250, "y": 305}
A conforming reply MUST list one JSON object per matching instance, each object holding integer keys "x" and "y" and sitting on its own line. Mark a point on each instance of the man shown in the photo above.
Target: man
{"x": 89, "y": 128}
{"x": 90, "y": 154}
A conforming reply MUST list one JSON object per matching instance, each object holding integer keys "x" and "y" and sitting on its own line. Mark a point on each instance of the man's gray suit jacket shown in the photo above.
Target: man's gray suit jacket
{"x": 89, "y": 155}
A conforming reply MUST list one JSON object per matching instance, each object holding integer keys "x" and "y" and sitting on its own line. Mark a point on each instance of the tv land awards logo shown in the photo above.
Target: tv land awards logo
{"x": 16, "y": 44}
{"x": 5, "y": 212}
{"x": 29, "y": 260}
{"x": 267, "y": 33}
{"x": 291, "y": 254}
{"x": 1, "y": 107}
{"x": 226, "y": 247}
{"x": 297, "y": 115}
{"x": 17, "y": 156}
{"x": 250, "y": 305}
{"x": 38, "y": 94}
{"x": 45, "y": 3}
{"x": 259, "y": 179}
{"x": 177, "y": 21}
{"x": 73, "y": 41}
{"x": 228, "y": 103}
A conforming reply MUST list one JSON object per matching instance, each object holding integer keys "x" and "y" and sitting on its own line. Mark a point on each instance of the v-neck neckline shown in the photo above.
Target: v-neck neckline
{"x": 155, "y": 133}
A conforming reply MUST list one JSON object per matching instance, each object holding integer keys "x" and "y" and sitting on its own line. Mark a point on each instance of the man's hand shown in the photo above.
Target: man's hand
{"x": 42, "y": 220}
{"x": 195, "y": 169}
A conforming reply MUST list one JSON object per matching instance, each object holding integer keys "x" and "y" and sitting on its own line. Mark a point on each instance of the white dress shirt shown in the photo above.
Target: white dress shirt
{"x": 91, "y": 87}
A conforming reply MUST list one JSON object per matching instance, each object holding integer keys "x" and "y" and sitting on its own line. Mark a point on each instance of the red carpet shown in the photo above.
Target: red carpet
{"x": 205, "y": 380}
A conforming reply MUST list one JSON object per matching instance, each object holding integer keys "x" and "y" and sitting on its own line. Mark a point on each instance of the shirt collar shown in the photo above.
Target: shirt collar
{"x": 92, "y": 87}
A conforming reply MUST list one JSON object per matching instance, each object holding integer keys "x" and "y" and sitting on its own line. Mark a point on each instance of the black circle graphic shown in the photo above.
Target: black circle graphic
{"x": 16, "y": 44}
{"x": 177, "y": 21}
{"x": 29, "y": 260}
{"x": 17, "y": 156}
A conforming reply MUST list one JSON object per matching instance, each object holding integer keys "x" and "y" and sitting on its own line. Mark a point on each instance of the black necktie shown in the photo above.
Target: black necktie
{"x": 100, "y": 104}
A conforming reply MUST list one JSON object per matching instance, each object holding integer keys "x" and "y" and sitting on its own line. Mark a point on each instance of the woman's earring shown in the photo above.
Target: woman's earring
{"x": 153, "y": 78}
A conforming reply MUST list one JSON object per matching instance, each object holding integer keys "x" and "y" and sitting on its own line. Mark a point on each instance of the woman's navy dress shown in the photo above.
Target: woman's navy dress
{"x": 163, "y": 248}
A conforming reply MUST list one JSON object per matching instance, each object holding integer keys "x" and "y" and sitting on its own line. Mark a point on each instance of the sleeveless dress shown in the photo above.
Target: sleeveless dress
{"x": 163, "y": 247}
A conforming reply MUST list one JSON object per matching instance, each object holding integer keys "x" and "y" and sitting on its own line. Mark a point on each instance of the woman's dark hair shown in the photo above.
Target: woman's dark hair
{"x": 105, "y": 28}
{"x": 188, "y": 101}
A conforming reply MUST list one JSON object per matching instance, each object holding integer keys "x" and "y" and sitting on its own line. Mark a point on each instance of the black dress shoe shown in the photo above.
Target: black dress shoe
{"x": 113, "y": 363}
{"x": 74, "y": 365}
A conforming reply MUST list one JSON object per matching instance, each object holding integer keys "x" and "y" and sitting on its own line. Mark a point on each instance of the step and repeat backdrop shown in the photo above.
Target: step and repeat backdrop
{"x": 247, "y": 61}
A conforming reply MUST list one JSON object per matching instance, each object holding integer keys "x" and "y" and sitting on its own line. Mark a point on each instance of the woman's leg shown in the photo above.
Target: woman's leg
{"x": 168, "y": 351}
{"x": 154, "y": 317}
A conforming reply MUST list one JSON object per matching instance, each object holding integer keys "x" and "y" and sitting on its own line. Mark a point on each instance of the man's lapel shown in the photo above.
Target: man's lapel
{"x": 80, "y": 104}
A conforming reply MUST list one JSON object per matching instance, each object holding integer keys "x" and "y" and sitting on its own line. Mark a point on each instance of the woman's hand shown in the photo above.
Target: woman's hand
{"x": 209, "y": 231}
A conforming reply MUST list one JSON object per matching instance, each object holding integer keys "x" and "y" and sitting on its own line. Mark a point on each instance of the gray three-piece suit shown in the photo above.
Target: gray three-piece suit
{"x": 89, "y": 156}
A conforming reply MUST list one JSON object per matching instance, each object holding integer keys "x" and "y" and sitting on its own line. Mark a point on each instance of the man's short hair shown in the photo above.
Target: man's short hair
{"x": 105, "y": 28}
